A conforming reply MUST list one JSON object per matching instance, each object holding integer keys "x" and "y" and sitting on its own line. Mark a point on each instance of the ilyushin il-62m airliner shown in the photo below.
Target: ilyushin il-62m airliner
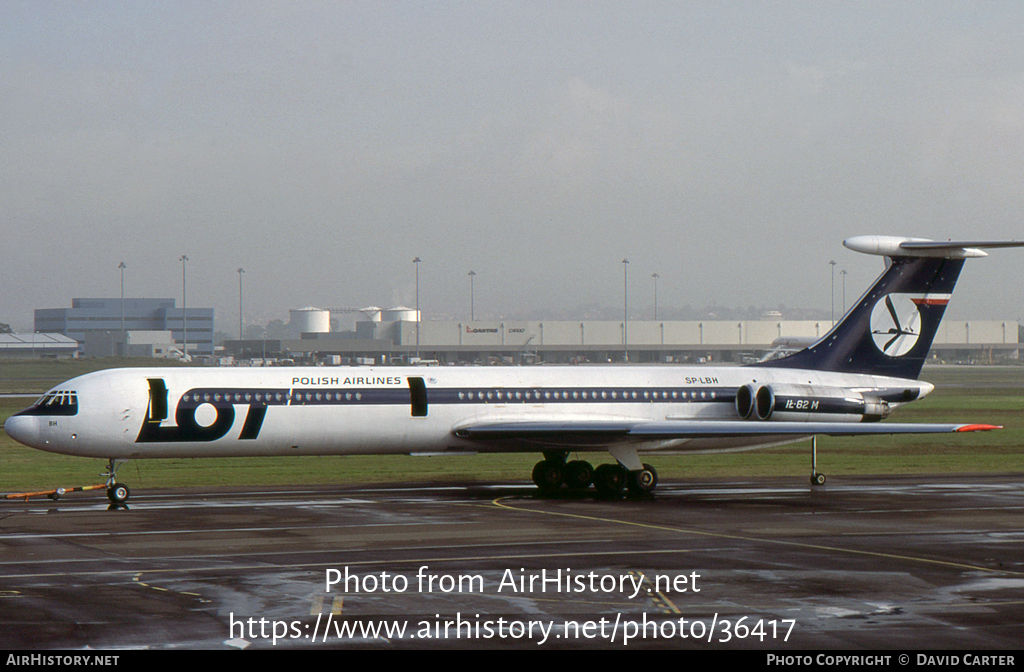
{"x": 845, "y": 384}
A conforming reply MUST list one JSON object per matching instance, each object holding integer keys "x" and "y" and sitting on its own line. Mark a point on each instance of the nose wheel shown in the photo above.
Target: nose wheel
{"x": 117, "y": 493}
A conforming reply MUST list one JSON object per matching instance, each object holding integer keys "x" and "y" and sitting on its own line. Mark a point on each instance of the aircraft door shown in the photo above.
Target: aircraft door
{"x": 157, "y": 400}
{"x": 418, "y": 397}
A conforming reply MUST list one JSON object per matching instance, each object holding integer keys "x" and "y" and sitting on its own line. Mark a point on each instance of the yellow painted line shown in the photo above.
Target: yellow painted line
{"x": 138, "y": 580}
{"x": 654, "y": 594}
{"x": 336, "y": 606}
{"x": 667, "y": 605}
{"x": 317, "y": 606}
{"x": 718, "y": 535}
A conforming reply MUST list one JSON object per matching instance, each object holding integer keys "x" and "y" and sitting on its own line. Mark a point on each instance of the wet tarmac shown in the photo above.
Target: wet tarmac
{"x": 862, "y": 563}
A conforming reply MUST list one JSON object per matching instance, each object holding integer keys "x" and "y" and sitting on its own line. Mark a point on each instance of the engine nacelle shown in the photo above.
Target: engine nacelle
{"x": 800, "y": 403}
{"x": 745, "y": 400}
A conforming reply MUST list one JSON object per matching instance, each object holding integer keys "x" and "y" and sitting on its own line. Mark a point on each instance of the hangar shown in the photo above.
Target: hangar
{"x": 37, "y": 345}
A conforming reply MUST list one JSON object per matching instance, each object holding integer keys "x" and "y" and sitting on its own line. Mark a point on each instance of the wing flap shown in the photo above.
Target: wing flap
{"x": 571, "y": 432}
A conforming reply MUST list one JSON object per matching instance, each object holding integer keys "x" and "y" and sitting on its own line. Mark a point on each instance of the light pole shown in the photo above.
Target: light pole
{"x": 472, "y": 314}
{"x": 184, "y": 305}
{"x": 122, "y": 267}
{"x": 843, "y": 274}
{"x": 625, "y": 310}
{"x": 833, "y": 297}
{"x": 655, "y": 276}
{"x": 240, "y": 271}
{"x": 416, "y": 261}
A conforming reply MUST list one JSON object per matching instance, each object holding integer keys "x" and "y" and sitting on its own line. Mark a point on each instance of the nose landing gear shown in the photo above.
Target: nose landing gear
{"x": 117, "y": 493}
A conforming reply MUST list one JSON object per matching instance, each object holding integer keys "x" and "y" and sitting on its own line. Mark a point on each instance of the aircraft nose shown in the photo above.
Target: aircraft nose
{"x": 23, "y": 429}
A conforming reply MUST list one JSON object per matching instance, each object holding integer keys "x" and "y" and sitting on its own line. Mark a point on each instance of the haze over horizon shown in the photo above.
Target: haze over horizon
{"x": 322, "y": 146}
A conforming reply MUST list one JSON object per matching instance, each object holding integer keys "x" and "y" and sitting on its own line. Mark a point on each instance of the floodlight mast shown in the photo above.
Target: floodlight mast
{"x": 184, "y": 309}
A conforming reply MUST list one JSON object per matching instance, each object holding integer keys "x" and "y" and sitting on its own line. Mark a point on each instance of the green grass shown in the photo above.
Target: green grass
{"x": 36, "y": 376}
{"x": 964, "y": 394}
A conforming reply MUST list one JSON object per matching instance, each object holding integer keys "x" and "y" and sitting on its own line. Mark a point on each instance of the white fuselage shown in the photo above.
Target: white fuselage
{"x": 205, "y": 412}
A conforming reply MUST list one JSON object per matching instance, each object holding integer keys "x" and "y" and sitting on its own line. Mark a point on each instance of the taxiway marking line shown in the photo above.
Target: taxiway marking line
{"x": 277, "y": 568}
{"x": 137, "y": 579}
{"x": 667, "y": 605}
{"x": 719, "y": 535}
{"x": 986, "y": 604}
{"x": 257, "y": 554}
{"x": 937, "y": 509}
{"x": 729, "y": 608}
{"x": 288, "y": 528}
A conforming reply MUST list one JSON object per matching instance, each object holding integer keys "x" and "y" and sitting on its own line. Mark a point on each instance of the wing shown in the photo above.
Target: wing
{"x": 600, "y": 433}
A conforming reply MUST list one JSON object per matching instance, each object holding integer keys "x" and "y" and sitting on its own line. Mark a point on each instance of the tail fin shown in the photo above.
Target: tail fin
{"x": 890, "y": 329}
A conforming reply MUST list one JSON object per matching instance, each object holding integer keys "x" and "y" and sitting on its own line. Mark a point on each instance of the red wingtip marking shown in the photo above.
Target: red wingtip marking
{"x": 977, "y": 428}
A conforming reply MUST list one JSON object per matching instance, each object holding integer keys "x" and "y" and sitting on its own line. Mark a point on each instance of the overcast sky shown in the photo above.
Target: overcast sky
{"x": 728, "y": 147}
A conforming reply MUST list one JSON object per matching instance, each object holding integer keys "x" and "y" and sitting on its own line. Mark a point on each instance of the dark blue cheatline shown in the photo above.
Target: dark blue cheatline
{"x": 447, "y": 395}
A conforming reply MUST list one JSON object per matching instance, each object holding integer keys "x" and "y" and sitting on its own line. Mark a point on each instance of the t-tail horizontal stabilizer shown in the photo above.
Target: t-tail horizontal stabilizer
{"x": 895, "y": 246}
{"x": 890, "y": 329}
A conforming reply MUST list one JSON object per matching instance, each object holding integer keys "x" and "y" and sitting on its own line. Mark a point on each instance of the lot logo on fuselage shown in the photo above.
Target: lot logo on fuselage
{"x": 204, "y": 415}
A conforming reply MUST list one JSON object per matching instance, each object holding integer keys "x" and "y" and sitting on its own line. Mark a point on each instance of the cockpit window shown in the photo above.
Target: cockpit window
{"x": 55, "y": 402}
{"x": 58, "y": 398}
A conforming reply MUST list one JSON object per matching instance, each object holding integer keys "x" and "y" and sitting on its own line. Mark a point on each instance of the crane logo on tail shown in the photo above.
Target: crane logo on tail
{"x": 896, "y": 321}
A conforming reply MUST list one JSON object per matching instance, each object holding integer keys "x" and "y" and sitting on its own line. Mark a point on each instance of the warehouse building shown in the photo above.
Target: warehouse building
{"x": 151, "y": 344}
{"x": 26, "y": 346}
{"x": 383, "y": 341}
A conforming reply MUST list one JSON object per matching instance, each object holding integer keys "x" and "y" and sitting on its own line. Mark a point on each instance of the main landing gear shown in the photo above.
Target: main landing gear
{"x": 817, "y": 478}
{"x": 117, "y": 493}
{"x": 609, "y": 480}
